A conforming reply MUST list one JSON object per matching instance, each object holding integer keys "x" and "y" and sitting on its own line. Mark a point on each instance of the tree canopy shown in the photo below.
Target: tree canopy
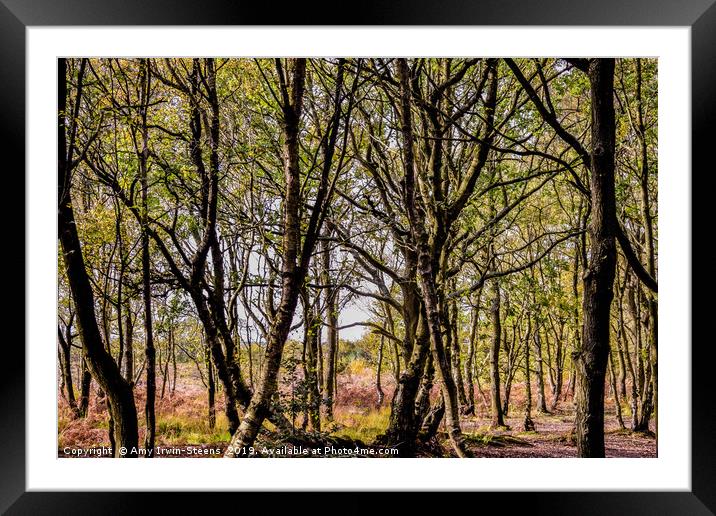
{"x": 486, "y": 221}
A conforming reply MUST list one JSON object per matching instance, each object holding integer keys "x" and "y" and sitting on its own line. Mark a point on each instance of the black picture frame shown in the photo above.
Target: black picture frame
{"x": 700, "y": 15}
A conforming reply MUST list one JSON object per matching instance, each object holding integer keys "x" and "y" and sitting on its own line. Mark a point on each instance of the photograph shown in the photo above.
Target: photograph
{"x": 357, "y": 257}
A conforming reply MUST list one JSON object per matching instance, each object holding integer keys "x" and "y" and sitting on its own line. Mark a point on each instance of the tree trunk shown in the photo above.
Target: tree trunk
{"x": 431, "y": 421}
{"x": 165, "y": 369}
{"x": 174, "y": 368}
{"x": 85, "y": 386}
{"x": 210, "y": 389}
{"x": 210, "y": 312}
{"x": 559, "y": 374}
{"x": 637, "y": 364}
{"x": 66, "y": 368}
{"x": 615, "y": 393}
{"x": 578, "y": 248}
{"x": 541, "y": 402}
{"x": 403, "y": 423}
{"x": 430, "y": 297}
{"x": 402, "y": 426}
{"x": 129, "y": 348}
{"x": 378, "y": 387}
{"x": 332, "y": 334}
{"x": 422, "y": 398}
{"x": 100, "y": 362}
{"x": 571, "y": 385}
{"x": 310, "y": 342}
{"x": 149, "y": 351}
{"x": 120, "y": 282}
{"x": 470, "y": 359}
{"x": 292, "y": 274}
{"x": 510, "y": 371}
{"x": 496, "y": 412}
{"x": 647, "y": 220}
{"x": 591, "y": 359}
{"x": 528, "y": 424}
{"x": 455, "y": 359}
{"x": 621, "y": 380}
{"x": 550, "y": 365}
{"x": 634, "y": 406}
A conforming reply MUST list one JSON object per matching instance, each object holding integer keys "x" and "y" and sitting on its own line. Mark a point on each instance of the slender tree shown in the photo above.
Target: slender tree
{"x": 149, "y": 351}
{"x": 591, "y": 359}
{"x": 100, "y": 362}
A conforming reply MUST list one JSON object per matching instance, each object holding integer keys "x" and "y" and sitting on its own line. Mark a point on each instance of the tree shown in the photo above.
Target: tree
{"x": 295, "y": 257}
{"x": 100, "y": 362}
{"x": 149, "y": 350}
{"x": 592, "y": 358}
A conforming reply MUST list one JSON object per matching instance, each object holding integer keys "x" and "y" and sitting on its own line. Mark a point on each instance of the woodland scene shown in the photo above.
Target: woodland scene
{"x": 379, "y": 257}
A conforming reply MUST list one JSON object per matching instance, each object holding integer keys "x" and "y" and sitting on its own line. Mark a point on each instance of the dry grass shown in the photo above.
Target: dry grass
{"x": 182, "y": 419}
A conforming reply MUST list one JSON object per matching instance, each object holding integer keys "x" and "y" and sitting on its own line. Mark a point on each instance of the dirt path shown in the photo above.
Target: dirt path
{"x": 551, "y": 439}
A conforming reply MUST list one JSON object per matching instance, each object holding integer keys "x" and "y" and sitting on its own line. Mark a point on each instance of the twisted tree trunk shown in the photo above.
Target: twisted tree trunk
{"x": 430, "y": 298}
{"x": 292, "y": 274}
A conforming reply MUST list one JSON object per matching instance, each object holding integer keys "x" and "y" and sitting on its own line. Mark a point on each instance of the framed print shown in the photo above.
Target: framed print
{"x": 432, "y": 236}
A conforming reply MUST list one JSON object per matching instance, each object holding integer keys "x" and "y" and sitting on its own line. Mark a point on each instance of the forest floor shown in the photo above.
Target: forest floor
{"x": 182, "y": 425}
{"x": 551, "y": 438}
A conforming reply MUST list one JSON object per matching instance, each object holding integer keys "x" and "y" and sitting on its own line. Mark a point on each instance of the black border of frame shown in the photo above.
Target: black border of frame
{"x": 700, "y": 15}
